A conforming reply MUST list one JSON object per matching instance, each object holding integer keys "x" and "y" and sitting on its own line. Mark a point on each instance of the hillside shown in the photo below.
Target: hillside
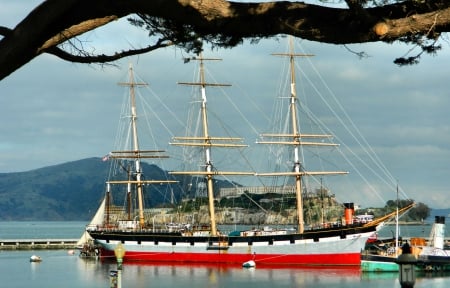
{"x": 74, "y": 190}
{"x": 69, "y": 191}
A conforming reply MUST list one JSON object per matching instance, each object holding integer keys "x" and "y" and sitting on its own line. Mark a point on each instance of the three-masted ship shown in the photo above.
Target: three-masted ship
{"x": 333, "y": 245}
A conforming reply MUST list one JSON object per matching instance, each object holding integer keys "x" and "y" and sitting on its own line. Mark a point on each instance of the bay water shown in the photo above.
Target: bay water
{"x": 60, "y": 269}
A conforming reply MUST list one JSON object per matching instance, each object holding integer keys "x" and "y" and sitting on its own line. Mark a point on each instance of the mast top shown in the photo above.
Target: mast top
{"x": 291, "y": 53}
{"x": 131, "y": 82}
{"x": 202, "y": 81}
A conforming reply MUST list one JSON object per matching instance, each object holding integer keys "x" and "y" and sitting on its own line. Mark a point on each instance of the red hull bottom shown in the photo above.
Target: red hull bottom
{"x": 344, "y": 259}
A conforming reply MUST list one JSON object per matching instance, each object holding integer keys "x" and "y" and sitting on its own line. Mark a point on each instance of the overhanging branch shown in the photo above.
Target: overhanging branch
{"x": 54, "y": 21}
{"x": 88, "y": 59}
{"x": 75, "y": 30}
{"x": 5, "y": 31}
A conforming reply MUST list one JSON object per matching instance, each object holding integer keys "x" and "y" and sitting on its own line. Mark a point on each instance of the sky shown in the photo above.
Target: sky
{"x": 54, "y": 112}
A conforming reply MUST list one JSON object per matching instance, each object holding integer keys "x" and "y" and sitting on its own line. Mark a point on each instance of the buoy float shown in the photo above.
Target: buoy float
{"x": 249, "y": 264}
{"x": 35, "y": 258}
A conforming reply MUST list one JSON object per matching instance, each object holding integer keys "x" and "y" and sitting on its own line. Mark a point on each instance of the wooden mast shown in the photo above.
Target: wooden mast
{"x": 207, "y": 142}
{"x": 137, "y": 161}
{"x": 136, "y": 153}
{"x": 296, "y": 140}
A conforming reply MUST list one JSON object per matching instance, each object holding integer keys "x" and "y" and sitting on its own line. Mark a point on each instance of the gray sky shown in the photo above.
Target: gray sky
{"x": 54, "y": 112}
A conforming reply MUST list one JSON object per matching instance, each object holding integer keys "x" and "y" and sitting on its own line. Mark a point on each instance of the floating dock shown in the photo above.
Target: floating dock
{"x": 36, "y": 244}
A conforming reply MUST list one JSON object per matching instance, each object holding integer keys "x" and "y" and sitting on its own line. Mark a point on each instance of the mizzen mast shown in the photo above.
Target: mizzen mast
{"x": 295, "y": 139}
{"x": 206, "y": 141}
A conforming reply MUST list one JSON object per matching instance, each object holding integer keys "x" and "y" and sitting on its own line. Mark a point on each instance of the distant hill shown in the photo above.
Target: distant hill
{"x": 73, "y": 191}
{"x": 69, "y": 191}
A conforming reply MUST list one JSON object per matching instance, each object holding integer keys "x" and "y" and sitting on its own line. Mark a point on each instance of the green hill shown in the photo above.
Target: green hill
{"x": 69, "y": 191}
{"x": 74, "y": 190}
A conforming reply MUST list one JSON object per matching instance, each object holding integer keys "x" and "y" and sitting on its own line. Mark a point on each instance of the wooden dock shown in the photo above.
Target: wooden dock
{"x": 36, "y": 244}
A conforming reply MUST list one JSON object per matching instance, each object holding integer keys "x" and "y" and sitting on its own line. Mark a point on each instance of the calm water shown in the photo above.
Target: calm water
{"x": 59, "y": 269}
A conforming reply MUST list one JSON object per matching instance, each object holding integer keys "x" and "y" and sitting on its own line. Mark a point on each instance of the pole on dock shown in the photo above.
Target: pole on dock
{"x": 119, "y": 251}
{"x": 407, "y": 267}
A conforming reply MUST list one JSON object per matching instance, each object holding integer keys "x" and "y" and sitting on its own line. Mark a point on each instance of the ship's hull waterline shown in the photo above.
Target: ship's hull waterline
{"x": 290, "y": 249}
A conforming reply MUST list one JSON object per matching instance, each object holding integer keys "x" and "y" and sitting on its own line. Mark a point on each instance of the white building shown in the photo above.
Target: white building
{"x": 238, "y": 191}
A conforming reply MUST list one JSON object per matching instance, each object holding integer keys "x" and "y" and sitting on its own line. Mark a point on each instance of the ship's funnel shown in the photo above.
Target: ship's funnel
{"x": 349, "y": 210}
{"x": 438, "y": 232}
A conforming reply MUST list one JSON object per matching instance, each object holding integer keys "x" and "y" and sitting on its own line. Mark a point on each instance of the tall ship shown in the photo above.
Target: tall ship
{"x": 327, "y": 245}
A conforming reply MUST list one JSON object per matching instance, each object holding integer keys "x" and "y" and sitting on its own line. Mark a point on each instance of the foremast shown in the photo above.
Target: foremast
{"x": 296, "y": 139}
{"x": 206, "y": 141}
{"x": 136, "y": 155}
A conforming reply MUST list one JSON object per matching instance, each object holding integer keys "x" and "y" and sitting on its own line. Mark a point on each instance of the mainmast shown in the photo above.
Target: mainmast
{"x": 207, "y": 142}
{"x": 295, "y": 139}
{"x": 135, "y": 154}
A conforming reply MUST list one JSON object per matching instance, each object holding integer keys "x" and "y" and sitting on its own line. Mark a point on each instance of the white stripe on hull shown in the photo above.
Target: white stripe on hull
{"x": 332, "y": 245}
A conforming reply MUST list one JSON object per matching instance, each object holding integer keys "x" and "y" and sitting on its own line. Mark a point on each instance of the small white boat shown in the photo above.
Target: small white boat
{"x": 35, "y": 258}
{"x": 249, "y": 264}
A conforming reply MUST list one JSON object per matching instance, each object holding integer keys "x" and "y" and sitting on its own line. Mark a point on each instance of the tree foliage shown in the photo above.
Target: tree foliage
{"x": 419, "y": 212}
{"x": 53, "y": 26}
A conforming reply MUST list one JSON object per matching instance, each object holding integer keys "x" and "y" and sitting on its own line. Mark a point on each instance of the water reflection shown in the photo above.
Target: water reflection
{"x": 158, "y": 275}
{"x": 61, "y": 270}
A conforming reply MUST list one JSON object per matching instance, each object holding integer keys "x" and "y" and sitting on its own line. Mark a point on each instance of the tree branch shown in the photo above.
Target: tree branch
{"x": 74, "y": 31}
{"x": 5, "y": 31}
{"x": 88, "y": 59}
{"x": 225, "y": 22}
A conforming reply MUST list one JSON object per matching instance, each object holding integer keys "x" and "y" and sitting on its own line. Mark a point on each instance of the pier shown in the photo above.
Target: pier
{"x": 36, "y": 244}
